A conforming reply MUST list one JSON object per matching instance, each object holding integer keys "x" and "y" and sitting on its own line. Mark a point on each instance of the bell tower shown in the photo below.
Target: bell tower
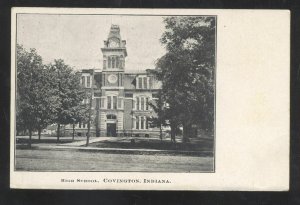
{"x": 112, "y": 99}
{"x": 114, "y": 51}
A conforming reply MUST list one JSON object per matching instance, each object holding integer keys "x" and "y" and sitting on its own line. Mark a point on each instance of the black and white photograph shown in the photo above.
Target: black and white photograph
{"x": 115, "y": 93}
{"x": 150, "y": 99}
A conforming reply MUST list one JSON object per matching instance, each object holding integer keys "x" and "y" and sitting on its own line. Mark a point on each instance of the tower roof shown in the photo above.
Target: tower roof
{"x": 114, "y": 32}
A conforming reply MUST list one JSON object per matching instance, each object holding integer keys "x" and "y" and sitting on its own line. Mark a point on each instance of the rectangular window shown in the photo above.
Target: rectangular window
{"x": 117, "y": 62}
{"x": 115, "y": 102}
{"x": 83, "y": 80}
{"x": 113, "y": 62}
{"x": 79, "y": 124}
{"x": 140, "y": 80}
{"x": 150, "y": 82}
{"x": 108, "y": 102}
{"x": 104, "y": 64}
{"x": 145, "y": 82}
{"x": 121, "y": 62}
{"x": 142, "y": 103}
{"x": 137, "y": 123}
{"x": 142, "y": 123}
{"x": 83, "y": 125}
{"x": 137, "y": 103}
{"x": 147, "y": 123}
{"x": 88, "y": 81}
{"x": 147, "y": 103}
{"x": 109, "y": 62}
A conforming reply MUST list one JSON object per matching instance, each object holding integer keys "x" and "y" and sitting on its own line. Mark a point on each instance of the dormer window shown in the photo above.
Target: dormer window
{"x": 143, "y": 82}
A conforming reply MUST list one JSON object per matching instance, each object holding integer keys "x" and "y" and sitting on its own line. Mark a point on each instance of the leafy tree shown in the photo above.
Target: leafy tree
{"x": 187, "y": 71}
{"x": 69, "y": 93}
{"x": 34, "y": 92}
{"x": 79, "y": 113}
{"x": 158, "y": 107}
{"x": 46, "y": 101}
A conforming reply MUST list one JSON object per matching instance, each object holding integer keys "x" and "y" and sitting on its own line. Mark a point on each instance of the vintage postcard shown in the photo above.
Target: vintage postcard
{"x": 150, "y": 99}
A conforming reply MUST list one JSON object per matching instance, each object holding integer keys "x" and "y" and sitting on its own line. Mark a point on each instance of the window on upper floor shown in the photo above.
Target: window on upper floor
{"x": 147, "y": 103}
{"x": 140, "y": 83}
{"x": 112, "y": 102}
{"x": 137, "y": 103}
{"x": 114, "y": 62}
{"x": 142, "y": 122}
{"x": 104, "y": 64}
{"x": 137, "y": 121}
{"x": 88, "y": 81}
{"x": 83, "y": 80}
{"x": 109, "y": 62}
{"x": 115, "y": 102}
{"x": 109, "y": 102}
{"x": 144, "y": 83}
{"x": 142, "y": 103}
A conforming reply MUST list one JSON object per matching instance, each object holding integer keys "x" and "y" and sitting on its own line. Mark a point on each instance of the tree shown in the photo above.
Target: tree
{"x": 69, "y": 93}
{"x": 159, "y": 109}
{"x": 34, "y": 92}
{"x": 187, "y": 71}
{"x": 79, "y": 114}
{"x": 47, "y": 100}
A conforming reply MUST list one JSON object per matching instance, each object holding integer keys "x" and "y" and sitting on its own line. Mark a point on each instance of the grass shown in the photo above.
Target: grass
{"x": 195, "y": 144}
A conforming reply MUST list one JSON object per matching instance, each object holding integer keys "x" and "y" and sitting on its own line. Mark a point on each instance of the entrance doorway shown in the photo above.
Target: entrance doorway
{"x": 111, "y": 130}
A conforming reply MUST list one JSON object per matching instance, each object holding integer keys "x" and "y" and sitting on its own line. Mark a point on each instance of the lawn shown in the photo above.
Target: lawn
{"x": 195, "y": 144}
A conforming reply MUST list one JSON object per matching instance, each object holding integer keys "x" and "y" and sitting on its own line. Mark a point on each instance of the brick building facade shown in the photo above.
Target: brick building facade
{"x": 120, "y": 98}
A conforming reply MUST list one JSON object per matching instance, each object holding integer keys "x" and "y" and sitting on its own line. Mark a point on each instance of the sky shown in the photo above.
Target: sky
{"x": 78, "y": 39}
